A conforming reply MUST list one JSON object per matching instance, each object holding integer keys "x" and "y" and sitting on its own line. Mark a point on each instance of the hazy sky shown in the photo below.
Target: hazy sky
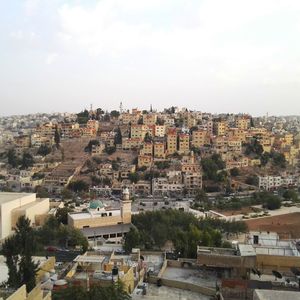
{"x": 210, "y": 55}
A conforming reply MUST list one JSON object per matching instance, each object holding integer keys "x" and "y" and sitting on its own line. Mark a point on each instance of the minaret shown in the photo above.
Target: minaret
{"x": 121, "y": 107}
{"x": 126, "y": 207}
{"x": 151, "y": 108}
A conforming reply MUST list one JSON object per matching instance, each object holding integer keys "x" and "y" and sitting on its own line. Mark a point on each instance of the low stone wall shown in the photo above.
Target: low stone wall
{"x": 183, "y": 285}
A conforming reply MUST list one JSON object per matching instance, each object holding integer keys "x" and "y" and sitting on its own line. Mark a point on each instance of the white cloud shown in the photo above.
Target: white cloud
{"x": 31, "y": 7}
{"x": 51, "y": 58}
{"x": 21, "y": 35}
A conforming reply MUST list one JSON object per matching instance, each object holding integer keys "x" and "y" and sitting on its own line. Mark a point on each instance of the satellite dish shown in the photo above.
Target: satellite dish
{"x": 276, "y": 274}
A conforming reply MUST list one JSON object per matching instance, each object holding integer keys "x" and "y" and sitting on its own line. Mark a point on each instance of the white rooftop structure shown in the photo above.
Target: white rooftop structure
{"x": 14, "y": 205}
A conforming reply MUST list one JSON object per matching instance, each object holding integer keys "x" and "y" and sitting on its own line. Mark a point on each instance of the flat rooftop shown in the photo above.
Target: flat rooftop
{"x": 276, "y": 295}
{"x": 167, "y": 293}
{"x": 6, "y": 197}
{"x": 195, "y": 276}
{"x": 90, "y": 259}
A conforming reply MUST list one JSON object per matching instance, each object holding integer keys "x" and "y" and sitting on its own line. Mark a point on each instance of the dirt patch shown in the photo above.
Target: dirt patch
{"x": 242, "y": 211}
{"x": 287, "y": 226}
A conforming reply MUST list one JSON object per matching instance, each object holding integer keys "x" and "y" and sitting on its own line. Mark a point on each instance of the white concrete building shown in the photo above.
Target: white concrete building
{"x": 269, "y": 182}
{"x": 14, "y": 205}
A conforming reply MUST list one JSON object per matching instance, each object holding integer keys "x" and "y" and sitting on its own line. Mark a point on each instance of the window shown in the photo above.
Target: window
{"x": 255, "y": 239}
{"x": 86, "y": 226}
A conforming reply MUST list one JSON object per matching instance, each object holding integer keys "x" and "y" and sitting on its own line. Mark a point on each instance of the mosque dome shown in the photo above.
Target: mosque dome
{"x": 96, "y": 204}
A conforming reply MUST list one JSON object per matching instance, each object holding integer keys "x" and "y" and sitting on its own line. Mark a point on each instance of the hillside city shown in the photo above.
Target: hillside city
{"x": 147, "y": 204}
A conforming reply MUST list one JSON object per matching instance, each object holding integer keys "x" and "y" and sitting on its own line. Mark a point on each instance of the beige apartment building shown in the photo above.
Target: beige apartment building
{"x": 184, "y": 143}
{"x": 220, "y": 128}
{"x": 14, "y": 205}
{"x": 159, "y": 150}
{"x": 199, "y": 138}
{"x": 172, "y": 141}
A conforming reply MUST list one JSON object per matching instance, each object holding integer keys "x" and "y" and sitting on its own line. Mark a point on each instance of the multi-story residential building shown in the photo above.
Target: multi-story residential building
{"x": 192, "y": 182}
{"x": 130, "y": 143}
{"x": 126, "y": 170}
{"x": 234, "y": 145}
{"x": 161, "y": 186}
{"x": 130, "y": 118}
{"x": 37, "y": 140}
{"x": 22, "y": 141}
{"x": 171, "y": 141}
{"x": 147, "y": 149}
{"x": 237, "y": 133}
{"x": 200, "y": 138}
{"x": 220, "y": 128}
{"x": 236, "y": 162}
{"x": 169, "y": 121}
{"x": 145, "y": 161}
{"x": 159, "y": 130}
{"x": 220, "y": 144}
{"x": 159, "y": 150}
{"x": 98, "y": 149}
{"x": 242, "y": 122}
{"x": 183, "y": 143}
{"x": 47, "y": 129}
{"x": 269, "y": 182}
{"x": 149, "y": 119}
{"x": 139, "y": 131}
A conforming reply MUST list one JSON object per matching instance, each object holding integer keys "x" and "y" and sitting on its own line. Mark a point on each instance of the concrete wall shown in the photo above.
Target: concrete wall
{"x": 276, "y": 262}
{"x": 183, "y": 285}
{"x": 6, "y": 212}
{"x": 35, "y": 294}
{"x": 226, "y": 261}
{"x": 99, "y": 221}
{"x": 20, "y": 294}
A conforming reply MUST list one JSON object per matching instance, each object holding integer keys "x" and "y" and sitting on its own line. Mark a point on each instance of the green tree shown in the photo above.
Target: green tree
{"x": 62, "y": 215}
{"x": 114, "y": 114}
{"x": 66, "y": 194}
{"x": 234, "y": 172}
{"x": 78, "y": 186}
{"x": 12, "y": 158}
{"x": 118, "y": 136}
{"x": 291, "y": 195}
{"x": 41, "y": 192}
{"x": 134, "y": 177}
{"x": 96, "y": 292}
{"x": 271, "y": 201}
{"x": 264, "y": 159}
{"x": 83, "y": 117}
{"x": 132, "y": 239}
{"x": 57, "y": 137}
{"x": 278, "y": 159}
{"x": 90, "y": 145}
{"x": 22, "y": 268}
{"x": 110, "y": 150}
{"x": 201, "y": 196}
{"x": 27, "y": 160}
{"x": 44, "y": 150}
{"x": 252, "y": 180}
